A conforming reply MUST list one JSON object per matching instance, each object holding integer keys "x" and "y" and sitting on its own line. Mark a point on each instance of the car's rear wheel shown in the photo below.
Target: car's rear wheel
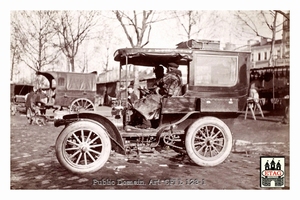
{"x": 82, "y": 104}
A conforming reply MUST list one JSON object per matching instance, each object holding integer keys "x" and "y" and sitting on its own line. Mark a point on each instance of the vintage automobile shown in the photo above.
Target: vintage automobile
{"x": 18, "y": 94}
{"x": 192, "y": 123}
{"x": 75, "y": 91}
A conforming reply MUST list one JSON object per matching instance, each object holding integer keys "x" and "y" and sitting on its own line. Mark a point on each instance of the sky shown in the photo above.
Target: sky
{"x": 164, "y": 34}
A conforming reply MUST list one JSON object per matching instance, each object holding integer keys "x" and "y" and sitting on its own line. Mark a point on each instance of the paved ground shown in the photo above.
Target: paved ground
{"x": 34, "y": 165}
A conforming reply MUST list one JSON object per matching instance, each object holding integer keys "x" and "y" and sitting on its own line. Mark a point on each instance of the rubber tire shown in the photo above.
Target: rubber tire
{"x": 83, "y": 125}
{"x": 189, "y": 141}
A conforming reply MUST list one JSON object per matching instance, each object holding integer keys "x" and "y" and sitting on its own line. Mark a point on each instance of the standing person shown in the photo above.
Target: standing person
{"x": 30, "y": 104}
{"x": 51, "y": 97}
{"x": 105, "y": 98}
{"x": 42, "y": 101}
{"x": 121, "y": 95}
{"x": 286, "y": 114}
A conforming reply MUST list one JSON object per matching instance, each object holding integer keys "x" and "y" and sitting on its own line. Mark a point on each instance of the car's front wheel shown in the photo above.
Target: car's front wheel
{"x": 83, "y": 147}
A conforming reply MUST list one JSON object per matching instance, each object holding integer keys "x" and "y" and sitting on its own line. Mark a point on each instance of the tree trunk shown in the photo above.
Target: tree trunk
{"x": 72, "y": 65}
{"x": 12, "y": 67}
{"x": 272, "y": 58}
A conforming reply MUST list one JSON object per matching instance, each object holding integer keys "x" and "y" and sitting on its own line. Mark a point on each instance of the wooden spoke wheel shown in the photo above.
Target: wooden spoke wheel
{"x": 83, "y": 147}
{"x": 208, "y": 141}
{"x": 82, "y": 104}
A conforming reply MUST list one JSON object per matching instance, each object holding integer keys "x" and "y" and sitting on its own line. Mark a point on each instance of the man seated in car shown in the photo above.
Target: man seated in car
{"x": 167, "y": 86}
{"x": 170, "y": 84}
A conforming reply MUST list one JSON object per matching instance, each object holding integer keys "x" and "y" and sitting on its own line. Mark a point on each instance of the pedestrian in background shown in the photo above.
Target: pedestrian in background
{"x": 286, "y": 114}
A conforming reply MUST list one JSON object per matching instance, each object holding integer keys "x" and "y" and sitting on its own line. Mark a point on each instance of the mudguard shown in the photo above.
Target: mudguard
{"x": 114, "y": 134}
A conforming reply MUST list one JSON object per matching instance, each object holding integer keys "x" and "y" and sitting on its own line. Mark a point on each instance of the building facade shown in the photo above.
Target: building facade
{"x": 260, "y": 54}
{"x": 271, "y": 79}
{"x": 260, "y": 50}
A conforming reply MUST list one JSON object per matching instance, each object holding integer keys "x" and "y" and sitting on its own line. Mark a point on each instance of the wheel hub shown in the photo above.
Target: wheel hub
{"x": 84, "y": 146}
{"x": 209, "y": 141}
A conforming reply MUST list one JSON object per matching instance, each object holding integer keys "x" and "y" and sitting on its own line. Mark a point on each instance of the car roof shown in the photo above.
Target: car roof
{"x": 152, "y": 56}
{"x": 55, "y": 74}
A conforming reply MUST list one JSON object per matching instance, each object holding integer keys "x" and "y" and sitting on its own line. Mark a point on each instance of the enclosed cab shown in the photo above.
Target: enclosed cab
{"x": 217, "y": 81}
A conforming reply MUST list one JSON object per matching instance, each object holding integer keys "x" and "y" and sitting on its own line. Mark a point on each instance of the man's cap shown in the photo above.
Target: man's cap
{"x": 174, "y": 65}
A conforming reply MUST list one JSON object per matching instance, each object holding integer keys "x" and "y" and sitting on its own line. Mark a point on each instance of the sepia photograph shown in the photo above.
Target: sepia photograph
{"x": 162, "y": 99}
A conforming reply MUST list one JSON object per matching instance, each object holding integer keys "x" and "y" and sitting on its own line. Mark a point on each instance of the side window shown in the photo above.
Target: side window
{"x": 215, "y": 70}
{"x": 278, "y": 53}
{"x": 61, "y": 81}
{"x": 266, "y": 56}
{"x": 183, "y": 69}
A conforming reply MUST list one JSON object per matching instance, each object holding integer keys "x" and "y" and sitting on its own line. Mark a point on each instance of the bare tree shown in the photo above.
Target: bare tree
{"x": 15, "y": 52}
{"x": 273, "y": 27}
{"x": 33, "y": 33}
{"x": 106, "y": 39}
{"x": 255, "y": 20}
{"x": 137, "y": 29}
{"x": 195, "y": 22}
{"x": 73, "y": 27}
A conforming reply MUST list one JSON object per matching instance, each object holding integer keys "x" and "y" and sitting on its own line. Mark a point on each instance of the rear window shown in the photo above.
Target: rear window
{"x": 214, "y": 70}
{"x": 61, "y": 81}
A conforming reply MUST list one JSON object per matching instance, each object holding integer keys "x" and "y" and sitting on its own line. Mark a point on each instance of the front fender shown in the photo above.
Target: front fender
{"x": 114, "y": 134}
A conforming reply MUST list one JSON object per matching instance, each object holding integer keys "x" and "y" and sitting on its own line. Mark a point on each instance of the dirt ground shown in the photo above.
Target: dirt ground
{"x": 34, "y": 164}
